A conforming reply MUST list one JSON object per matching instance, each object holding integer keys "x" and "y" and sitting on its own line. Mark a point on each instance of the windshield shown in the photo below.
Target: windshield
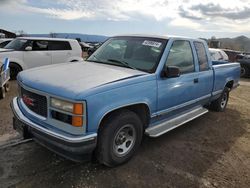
{"x": 16, "y": 44}
{"x": 132, "y": 52}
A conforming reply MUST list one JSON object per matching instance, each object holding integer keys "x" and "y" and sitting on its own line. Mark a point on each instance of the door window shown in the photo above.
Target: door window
{"x": 181, "y": 56}
{"x": 39, "y": 45}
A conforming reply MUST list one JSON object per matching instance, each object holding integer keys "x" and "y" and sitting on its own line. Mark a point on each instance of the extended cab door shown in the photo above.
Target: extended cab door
{"x": 37, "y": 55}
{"x": 174, "y": 94}
{"x": 61, "y": 51}
{"x": 205, "y": 75}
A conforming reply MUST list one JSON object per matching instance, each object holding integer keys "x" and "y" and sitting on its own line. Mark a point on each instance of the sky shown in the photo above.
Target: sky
{"x": 192, "y": 18}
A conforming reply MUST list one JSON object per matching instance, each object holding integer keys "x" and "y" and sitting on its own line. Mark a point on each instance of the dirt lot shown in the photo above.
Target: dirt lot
{"x": 211, "y": 151}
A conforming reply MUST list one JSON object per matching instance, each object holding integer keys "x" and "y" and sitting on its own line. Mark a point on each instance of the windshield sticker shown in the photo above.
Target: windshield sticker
{"x": 151, "y": 43}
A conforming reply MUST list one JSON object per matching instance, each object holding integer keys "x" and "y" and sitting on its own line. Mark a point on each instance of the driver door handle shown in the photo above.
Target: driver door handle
{"x": 196, "y": 80}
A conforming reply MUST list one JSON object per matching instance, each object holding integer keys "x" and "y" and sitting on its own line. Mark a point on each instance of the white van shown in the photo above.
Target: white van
{"x": 27, "y": 52}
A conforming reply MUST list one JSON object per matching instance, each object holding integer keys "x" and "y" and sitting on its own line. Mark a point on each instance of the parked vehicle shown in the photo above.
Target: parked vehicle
{"x": 130, "y": 86}
{"x": 93, "y": 48}
{"x": 232, "y": 54}
{"x": 4, "y": 78}
{"x": 244, "y": 61}
{"x": 84, "y": 46}
{"x": 218, "y": 55}
{"x": 27, "y": 52}
{"x": 4, "y": 42}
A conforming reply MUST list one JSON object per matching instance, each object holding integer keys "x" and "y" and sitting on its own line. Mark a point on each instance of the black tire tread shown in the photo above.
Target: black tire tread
{"x": 2, "y": 92}
{"x": 14, "y": 66}
{"x": 215, "y": 105}
{"x": 247, "y": 71}
{"x": 101, "y": 151}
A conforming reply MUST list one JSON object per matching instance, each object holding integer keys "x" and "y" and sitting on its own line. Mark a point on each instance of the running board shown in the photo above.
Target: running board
{"x": 171, "y": 124}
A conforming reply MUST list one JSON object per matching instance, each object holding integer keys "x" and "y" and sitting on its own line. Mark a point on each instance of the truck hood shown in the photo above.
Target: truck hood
{"x": 68, "y": 80}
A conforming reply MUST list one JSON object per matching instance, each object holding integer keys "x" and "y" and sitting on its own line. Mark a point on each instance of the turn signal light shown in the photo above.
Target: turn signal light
{"x": 78, "y": 109}
{"x": 77, "y": 121}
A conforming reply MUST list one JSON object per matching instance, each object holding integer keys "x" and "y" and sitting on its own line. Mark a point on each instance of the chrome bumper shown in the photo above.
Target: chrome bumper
{"x": 68, "y": 146}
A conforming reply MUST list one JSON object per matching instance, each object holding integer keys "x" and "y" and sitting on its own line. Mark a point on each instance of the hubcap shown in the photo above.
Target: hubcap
{"x": 223, "y": 101}
{"x": 124, "y": 140}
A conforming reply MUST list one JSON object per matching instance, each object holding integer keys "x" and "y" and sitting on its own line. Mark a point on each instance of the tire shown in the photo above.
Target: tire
{"x": 14, "y": 70}
{"x": 220, "y": 104}
{"x": 2, "y": 93}
{"x": 7, "y": 87}
{"x": 119, "y": 138}
{"x": 244, "y": 72}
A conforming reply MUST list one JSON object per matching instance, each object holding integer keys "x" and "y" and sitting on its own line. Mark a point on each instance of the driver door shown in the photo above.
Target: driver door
{"x": 175, "y": 94}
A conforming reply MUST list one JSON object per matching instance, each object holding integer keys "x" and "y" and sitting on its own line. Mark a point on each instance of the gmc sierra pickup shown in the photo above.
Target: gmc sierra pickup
{"x": 132, "y": 85}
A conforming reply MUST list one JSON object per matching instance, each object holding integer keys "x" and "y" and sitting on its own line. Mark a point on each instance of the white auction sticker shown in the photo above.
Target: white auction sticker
{"x": 151, "y": 43}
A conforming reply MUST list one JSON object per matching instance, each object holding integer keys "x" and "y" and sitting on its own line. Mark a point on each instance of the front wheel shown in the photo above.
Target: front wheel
{"x": 220, "y": 104}
{"x": 14, "y": 70}
{"x": 119, "y": 138}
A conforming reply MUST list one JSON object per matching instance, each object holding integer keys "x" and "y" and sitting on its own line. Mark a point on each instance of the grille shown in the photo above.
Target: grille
{"x": 35, "y": 102}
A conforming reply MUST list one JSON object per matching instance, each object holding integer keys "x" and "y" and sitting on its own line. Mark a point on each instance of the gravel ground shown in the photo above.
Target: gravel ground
{"x": 211, "y": 151}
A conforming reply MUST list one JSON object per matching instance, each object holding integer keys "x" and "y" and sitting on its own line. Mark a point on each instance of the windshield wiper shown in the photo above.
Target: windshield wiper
{"x": 123, "y": 63}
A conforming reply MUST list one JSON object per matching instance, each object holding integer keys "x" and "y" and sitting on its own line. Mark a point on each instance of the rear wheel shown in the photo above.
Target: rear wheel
{"x": 220, "y": 104}
{"x": 119, "y": 138}
{"x": 14, "y": 70}
{"x": 2, "y": 93}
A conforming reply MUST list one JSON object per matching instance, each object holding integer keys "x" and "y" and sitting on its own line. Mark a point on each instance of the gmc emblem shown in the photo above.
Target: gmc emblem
{"x": 28, "y": 101}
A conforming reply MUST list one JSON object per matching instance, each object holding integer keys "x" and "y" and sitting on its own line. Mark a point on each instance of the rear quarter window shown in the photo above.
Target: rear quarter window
{"x": 59, "y": 45}
{"x": 202, "y": 56}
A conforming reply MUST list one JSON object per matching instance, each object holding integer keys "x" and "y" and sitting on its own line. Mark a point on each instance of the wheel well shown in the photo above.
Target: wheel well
{"x": 142, "y": 110}
{"x": 16, "y": 64}
{"x": 230, "y": 84}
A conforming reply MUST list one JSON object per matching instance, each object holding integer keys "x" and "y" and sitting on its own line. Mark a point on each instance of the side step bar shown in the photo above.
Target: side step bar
{"x": 171, "y": 124}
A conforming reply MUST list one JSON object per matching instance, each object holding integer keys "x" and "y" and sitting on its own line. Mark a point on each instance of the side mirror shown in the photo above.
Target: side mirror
{"x": 170, "y": 72}
{"x": 28, "y": 48}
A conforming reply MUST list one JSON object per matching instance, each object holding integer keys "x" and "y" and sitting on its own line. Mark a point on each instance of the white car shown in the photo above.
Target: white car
{"x": 218, "y": 54}
{"x": 26, "y": 52}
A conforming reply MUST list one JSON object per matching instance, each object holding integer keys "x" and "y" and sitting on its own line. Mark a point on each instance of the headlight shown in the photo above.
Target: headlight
{"x": 74, "y": 108}
{"x": 73, "y": 115}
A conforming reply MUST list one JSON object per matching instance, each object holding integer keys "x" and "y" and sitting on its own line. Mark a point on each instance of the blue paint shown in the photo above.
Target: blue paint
{"x": 106, "y": 87}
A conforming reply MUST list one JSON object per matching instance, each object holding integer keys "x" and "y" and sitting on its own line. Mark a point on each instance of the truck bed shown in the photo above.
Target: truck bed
{"x": 224, "y": 73}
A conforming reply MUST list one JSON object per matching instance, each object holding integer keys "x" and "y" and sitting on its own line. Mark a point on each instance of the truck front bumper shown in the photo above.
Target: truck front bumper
{"x": 76, "y": 148}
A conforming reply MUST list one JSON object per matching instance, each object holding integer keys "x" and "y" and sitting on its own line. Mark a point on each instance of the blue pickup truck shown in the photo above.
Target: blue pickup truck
{"x": 131, "y": 86}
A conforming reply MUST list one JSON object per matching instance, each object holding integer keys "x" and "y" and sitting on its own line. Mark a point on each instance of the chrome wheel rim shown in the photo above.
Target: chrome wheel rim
{"x": 124, "y": 140}
{"x": 223, "y": 101}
